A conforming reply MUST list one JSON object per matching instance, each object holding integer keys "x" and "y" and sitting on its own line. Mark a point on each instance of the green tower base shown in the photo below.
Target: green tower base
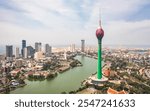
{"x": 99, "y": 64}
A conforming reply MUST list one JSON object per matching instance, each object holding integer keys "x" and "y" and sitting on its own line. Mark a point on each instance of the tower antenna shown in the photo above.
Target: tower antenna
{"x": 100, "y": 17}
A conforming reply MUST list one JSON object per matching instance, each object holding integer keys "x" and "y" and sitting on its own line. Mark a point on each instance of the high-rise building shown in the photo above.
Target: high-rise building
{"x": 25, "y": 52}
{"x": 30, "y": 52}
{"x": 17, "y": 52}
{"x": 48, "y": 50}
{"x": 82, "y": 45}
{"x": 23, "y": 46}
{"x": 72, "y": 48}
{"x": 9, "y": 52}
{"x": 38, "y": 46}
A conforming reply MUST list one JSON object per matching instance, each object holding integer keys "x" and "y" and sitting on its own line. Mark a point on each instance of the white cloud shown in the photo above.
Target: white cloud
{"x": 122, "y": 32}
{"x": 62, "y": 24}
{"x": 45, "y": 10}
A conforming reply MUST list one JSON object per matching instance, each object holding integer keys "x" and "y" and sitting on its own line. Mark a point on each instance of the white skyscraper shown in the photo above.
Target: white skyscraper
{"x": 72, "y": 48}
{"x": 17, "y": 52}
{"x": 25, "y": 52}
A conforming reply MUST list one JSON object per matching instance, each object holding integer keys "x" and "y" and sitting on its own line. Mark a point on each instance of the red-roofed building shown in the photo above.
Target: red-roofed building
{"x": 112, "y": 91}
{"x": 107, "y": 72}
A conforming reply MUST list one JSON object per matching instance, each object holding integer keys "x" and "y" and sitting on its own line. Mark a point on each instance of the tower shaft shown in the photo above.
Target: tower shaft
{"x": 99, "y": 68}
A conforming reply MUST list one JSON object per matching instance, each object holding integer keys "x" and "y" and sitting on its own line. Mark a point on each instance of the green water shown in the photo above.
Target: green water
{"x": 65, "y": 82}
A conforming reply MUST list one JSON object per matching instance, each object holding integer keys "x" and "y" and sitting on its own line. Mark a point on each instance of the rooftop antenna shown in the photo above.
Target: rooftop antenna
{"x": 100, "y": 17}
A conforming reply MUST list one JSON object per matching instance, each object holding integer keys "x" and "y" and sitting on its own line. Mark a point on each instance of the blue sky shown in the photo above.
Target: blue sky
{"x": 64, "y": 22}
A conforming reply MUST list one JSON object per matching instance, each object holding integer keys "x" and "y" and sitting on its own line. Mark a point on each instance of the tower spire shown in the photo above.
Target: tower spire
{"x": 100, "y": 18}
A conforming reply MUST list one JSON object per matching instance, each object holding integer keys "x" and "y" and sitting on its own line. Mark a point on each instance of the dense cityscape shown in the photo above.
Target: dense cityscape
{"x": 64, "y": 47}
{"x": 127, "y": 70}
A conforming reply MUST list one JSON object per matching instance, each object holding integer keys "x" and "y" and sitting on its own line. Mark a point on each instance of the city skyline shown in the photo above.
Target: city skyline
{"x": 42, "y": 51}
{"x": 125, "y": 22}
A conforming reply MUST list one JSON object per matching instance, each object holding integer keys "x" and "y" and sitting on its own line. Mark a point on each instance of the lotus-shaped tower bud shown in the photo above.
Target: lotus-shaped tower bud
{"x": 99, "y": 32}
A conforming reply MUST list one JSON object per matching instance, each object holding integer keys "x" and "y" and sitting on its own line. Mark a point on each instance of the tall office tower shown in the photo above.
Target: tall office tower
{"x": 17, "y": 52}
{"x": 9, "y": 52}
{"x": 30, "y": 52}
{"x": 72, "y": 47}
{"x": 25, "y": 52}
{"x": 38, "y": 46}
{"x": 48, "y": 50}
{"x": 82, "y": 45}
{"x": 23, "y": 46}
